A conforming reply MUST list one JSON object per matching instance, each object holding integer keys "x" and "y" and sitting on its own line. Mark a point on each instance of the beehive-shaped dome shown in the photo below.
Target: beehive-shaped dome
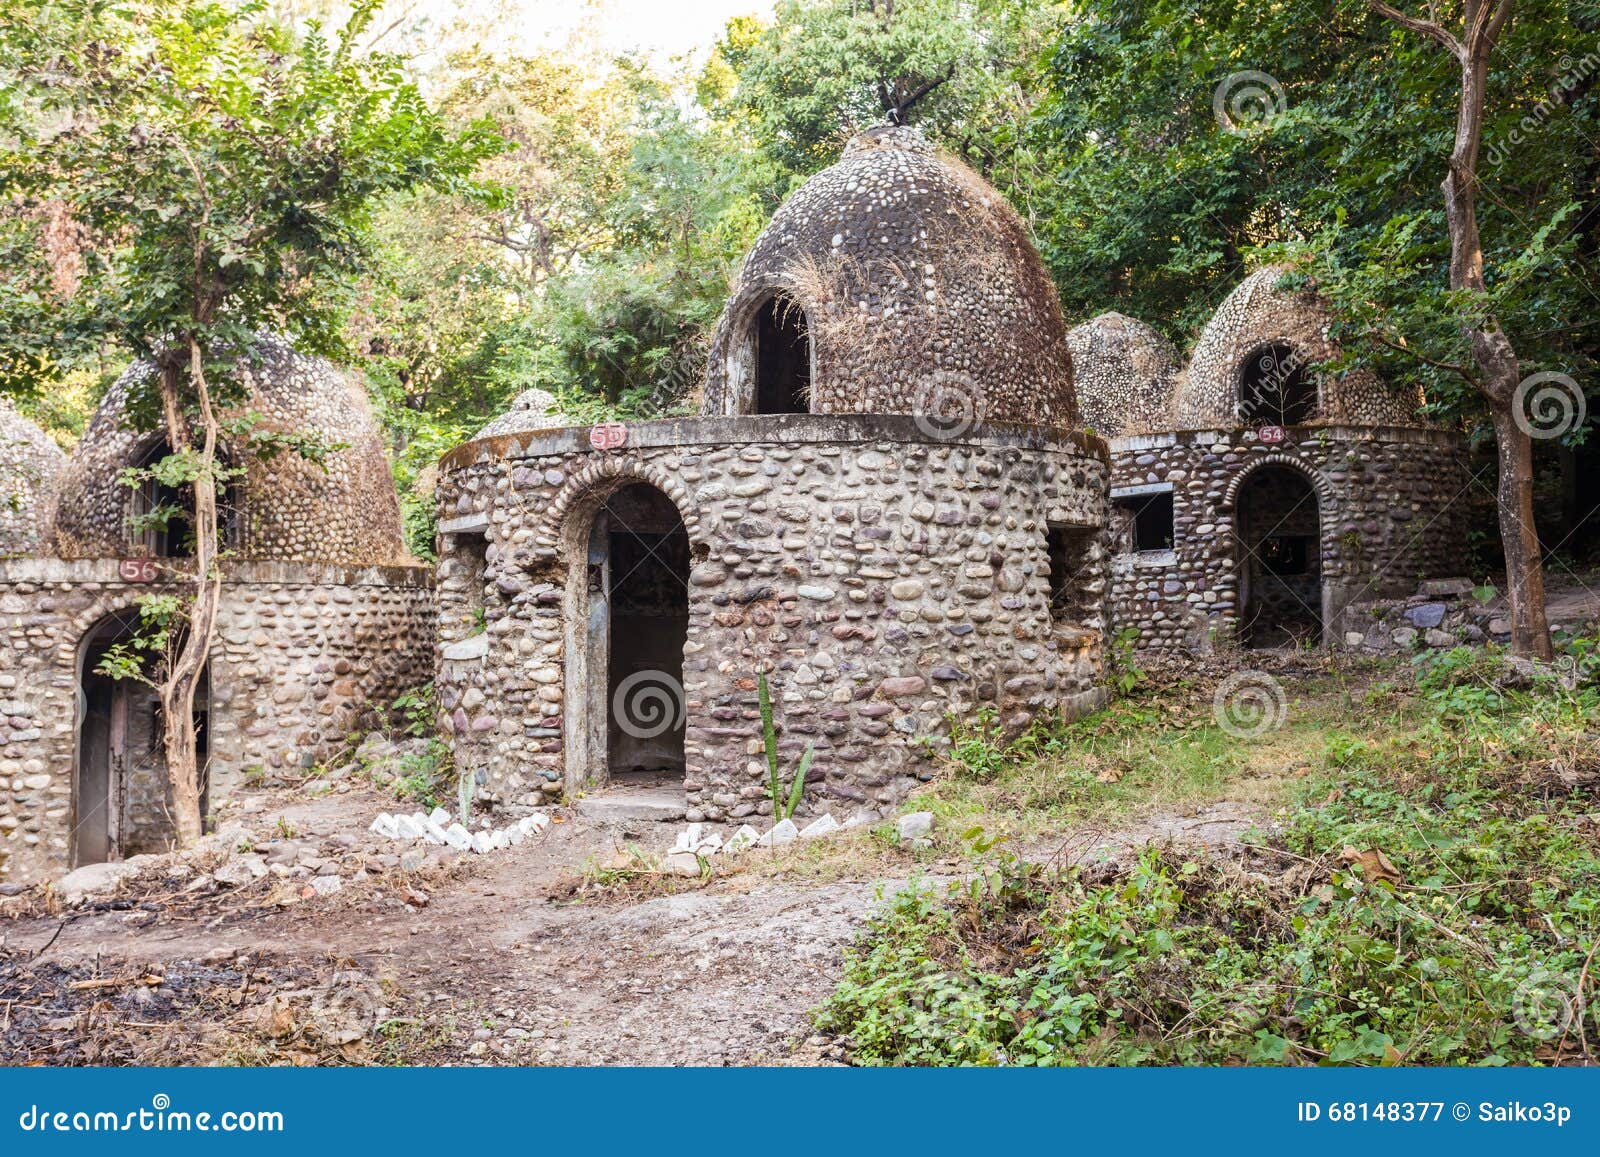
{"x": 1254, "y": 365}
{"x": 30, "y": 469}
{"x": 532, "y": 410}
{"x": 895, "y": 282}
{"x": 285, "y": 508}
{"x": 1124, "y": 372}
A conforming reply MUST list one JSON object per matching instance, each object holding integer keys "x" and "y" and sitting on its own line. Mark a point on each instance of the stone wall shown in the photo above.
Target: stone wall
{"x": 879, "y": 576}
{"x": 301, "y": 651}
{"x": 1392, "y": 503}
{"x": 1256, "y": 315}
{"x": 30, "y": 467}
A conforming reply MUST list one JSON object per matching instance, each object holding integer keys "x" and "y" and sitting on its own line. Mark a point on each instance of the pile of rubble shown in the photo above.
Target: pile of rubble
{"x": 236, "y": 857}
{"x": 437, "y": 828}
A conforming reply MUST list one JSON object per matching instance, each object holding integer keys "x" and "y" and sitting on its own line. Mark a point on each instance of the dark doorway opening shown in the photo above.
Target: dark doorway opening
{"x": 783, "y": 358}
{"x": 638, "y": 581}
{"x": 1280, "y": 566}
{"x": 1276, "y": 388}
{"x": 121, "y": 798}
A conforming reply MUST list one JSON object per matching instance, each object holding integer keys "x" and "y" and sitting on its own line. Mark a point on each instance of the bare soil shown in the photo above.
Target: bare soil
{"x": 497, "y": 959}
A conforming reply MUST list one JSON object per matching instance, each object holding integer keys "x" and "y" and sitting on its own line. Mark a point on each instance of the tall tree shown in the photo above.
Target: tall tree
{"x": 220, "y": 169}
{"x": 1471, "y": 40}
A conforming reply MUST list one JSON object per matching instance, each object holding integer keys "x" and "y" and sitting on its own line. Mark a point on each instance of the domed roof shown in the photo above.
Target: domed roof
{"x": 532, "y": 410}
{"x": 288, "y": 508}
{"x": 30, "y": 468}
{"x": 1262, "y": 333}
{"x": 1123, "y": 371}
{"x": 917, "y": 287}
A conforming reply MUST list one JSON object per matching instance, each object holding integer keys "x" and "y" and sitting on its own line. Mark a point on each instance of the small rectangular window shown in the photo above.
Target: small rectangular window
{"x": 1145, "y": 521}
{"x": 469, "y": 572}
{"x": 1071, "y": 586}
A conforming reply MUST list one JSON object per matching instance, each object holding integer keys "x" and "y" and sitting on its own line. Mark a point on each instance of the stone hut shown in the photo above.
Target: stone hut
{"x": 30, "y": 470}
{"x": 1267, "y": 501}
{"x": 884, "y": 509}
{"x": 322, "y": 616}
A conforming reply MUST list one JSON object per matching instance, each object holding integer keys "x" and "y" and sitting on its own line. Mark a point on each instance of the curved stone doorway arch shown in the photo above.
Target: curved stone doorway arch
{"x": 1278, "y": 533}
{"x": 121, "y": 795}
{"x": 628, "y": 592}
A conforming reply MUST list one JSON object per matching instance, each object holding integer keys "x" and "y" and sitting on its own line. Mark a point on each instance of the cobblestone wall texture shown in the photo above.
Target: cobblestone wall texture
{"x": 30, "y": 467}
{"x": 1391, "y": 501}
{"x": 921, "y": 289}
{"x": 1124, "y": 373}
{"x": 1258, "y": 314}
{"x": 301, "y": 652}
{"x": 882, "y": 578}
{"x": 343, "y": 511}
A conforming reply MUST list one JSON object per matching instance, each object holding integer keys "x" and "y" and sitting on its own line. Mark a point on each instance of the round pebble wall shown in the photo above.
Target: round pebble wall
{"x": 880, "y": 577}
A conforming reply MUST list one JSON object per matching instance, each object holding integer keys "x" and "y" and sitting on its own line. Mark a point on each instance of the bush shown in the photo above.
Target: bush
{"x": 1434, "y": 898}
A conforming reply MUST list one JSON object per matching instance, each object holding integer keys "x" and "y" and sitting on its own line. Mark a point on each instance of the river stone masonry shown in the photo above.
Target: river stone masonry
{"x": 1392, "y": 502}
{"x": 302, "y": 652}
{"x": 322, "y": 618}
{"x": 883, "y": 579}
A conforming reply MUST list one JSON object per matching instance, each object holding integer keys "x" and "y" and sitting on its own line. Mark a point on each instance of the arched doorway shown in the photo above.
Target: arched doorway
{"x": 628, "y": 674}
{"x": 1279, "y": 532}
{"x": 782, "y": 346}
{"x": 121, "y": 796}
{"x": 1276, "y": 387}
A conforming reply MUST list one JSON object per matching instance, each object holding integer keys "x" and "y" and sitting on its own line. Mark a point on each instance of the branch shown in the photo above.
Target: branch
{"x": 1450, "y": 367}
{"x": 1424, "y": 27}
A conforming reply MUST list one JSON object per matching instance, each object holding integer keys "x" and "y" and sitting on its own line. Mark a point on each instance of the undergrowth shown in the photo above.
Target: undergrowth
{"x": 1430, "y": 896}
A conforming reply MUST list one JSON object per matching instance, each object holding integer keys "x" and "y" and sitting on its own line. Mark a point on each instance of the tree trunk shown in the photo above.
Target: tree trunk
{"x": 186, "y": 666}
{"x": 1530, "y": 631}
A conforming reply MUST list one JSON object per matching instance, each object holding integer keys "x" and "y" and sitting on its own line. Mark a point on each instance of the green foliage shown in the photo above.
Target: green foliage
{"x": 784, "y": 803}
{"x": 827, "y": 68}
{"x": 1151, "y": 204}
{"x": 1433, "y": 897}
{"x": 1126, "y": 674}
{"x": 144, "y": 655}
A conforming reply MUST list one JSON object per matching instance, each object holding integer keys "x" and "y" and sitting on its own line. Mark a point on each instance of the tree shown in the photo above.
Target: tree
{"x": 1187, "y": 138}
{"x": 1498, "y": 375}
{"x": 220, "y": 169}
{"x": 824, "y": 69}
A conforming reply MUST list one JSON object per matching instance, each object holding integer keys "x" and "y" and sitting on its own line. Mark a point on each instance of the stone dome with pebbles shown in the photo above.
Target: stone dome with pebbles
{"x": 897, "y": 281}
{"x": 532, "y": 410}
{"x": 285, "y": 508}
{"x": 1266, "y": 334}
{"x": 1124, "y": 373}
{"x": 30, "y": 466}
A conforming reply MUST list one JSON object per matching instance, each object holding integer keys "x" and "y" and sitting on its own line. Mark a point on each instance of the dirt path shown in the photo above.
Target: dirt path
{"x": 489, "y": 969}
